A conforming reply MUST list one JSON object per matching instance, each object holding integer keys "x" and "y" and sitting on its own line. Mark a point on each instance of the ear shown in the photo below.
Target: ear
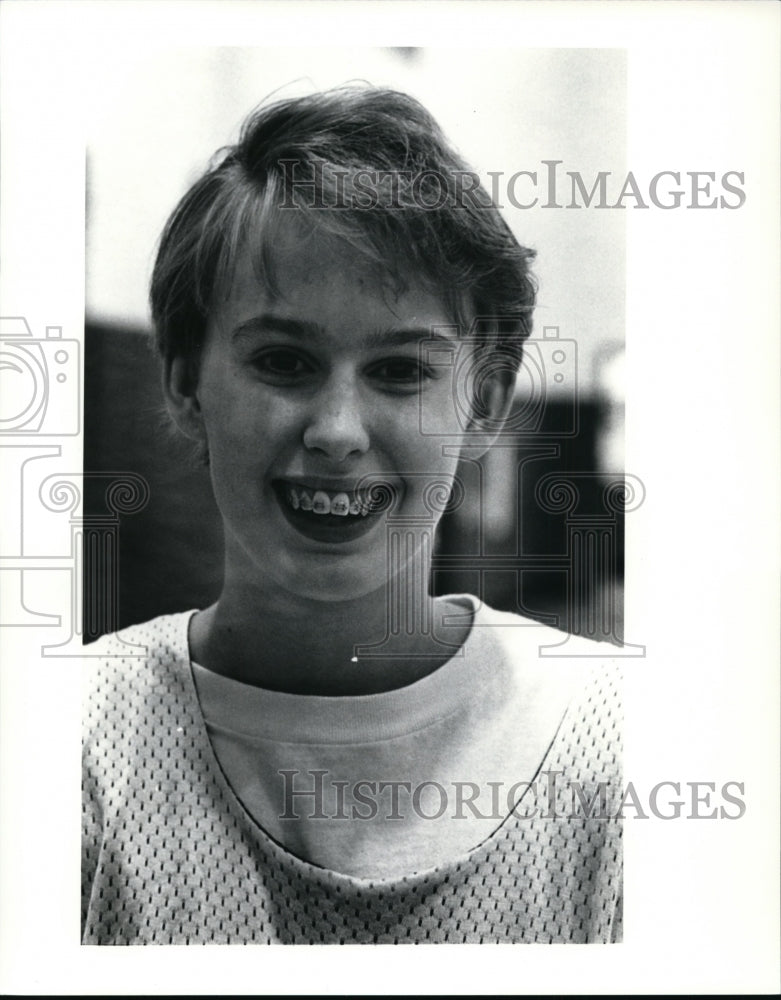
{"x": 492, "y": 395}
{"x": 180, "y": 388}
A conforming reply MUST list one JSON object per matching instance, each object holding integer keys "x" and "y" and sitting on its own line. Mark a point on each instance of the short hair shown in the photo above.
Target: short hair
{"x": 369, "y": 166}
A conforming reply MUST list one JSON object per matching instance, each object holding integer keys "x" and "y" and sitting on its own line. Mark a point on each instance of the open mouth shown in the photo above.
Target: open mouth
{"x": 332, "y": 515}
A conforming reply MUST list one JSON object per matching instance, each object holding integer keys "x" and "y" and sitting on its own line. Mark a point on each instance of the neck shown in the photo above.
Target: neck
{"x": 285, "y": 643}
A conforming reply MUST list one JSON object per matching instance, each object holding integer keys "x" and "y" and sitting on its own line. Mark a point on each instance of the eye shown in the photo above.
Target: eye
{"x": 282, "y": 364}
{"x": 401, "y": 371}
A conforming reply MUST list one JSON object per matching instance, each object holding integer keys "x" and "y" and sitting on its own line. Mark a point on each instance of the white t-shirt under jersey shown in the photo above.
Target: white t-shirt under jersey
{"x": 382, "y": 785}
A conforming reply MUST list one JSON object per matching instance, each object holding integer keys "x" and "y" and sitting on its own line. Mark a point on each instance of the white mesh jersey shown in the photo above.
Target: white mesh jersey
{"x": 170, "y": 855}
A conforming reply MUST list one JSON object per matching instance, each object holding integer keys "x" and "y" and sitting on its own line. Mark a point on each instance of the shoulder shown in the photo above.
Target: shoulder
{"x": 526, "y": 641}
{"x": 571, "y": 676}
{"x": 166, "y": 632}
{"x": 124, "y": 667}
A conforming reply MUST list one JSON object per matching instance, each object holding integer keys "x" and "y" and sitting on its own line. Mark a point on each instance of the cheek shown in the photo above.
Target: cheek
{"x": 443, "y": 413}
{"x": 243, "y": 415}
{"x": 429, "y": 472}
{"x": 238, "y": 440}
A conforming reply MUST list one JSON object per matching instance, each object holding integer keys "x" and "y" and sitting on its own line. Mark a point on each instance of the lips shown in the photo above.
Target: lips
{"x": 333, "y": 512}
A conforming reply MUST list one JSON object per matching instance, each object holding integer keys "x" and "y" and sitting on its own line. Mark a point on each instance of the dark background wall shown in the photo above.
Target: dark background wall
{"x": 169, "y": 556}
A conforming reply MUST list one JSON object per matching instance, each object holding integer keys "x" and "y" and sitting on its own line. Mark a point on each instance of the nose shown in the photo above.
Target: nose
{"x": 337, "y": 424}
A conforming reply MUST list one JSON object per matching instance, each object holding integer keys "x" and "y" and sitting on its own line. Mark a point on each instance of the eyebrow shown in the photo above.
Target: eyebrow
{"x": 305, "y": 329}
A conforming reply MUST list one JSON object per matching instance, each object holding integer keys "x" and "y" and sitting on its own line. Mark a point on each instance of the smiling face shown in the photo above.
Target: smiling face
{"x": 303, "y": 399}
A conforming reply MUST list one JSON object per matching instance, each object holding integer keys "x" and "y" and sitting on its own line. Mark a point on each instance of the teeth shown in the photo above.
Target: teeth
{"x": 320, "y": 502}
{"x": 340, "y": 505}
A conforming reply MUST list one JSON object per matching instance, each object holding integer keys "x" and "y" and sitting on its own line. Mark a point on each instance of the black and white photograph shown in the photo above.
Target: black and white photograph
{"x": 381, "y": 701}
{"x": 389, "y": 417}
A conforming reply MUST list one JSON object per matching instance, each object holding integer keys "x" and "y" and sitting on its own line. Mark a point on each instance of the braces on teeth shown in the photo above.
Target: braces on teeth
{"x": 319, "y": 502}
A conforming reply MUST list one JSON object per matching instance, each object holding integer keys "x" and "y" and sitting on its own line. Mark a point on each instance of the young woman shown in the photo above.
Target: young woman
{"x": 328, "y": 753}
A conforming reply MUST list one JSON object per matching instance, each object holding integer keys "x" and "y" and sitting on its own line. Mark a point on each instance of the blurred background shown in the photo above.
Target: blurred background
{"x": 535, "y": 533}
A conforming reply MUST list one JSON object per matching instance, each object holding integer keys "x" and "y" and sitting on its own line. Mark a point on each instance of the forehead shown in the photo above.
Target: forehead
{"x": 312, "y": 274}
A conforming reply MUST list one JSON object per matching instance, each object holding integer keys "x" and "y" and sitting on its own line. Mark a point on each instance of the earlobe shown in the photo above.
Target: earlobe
{"x": 180, "y": 389}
